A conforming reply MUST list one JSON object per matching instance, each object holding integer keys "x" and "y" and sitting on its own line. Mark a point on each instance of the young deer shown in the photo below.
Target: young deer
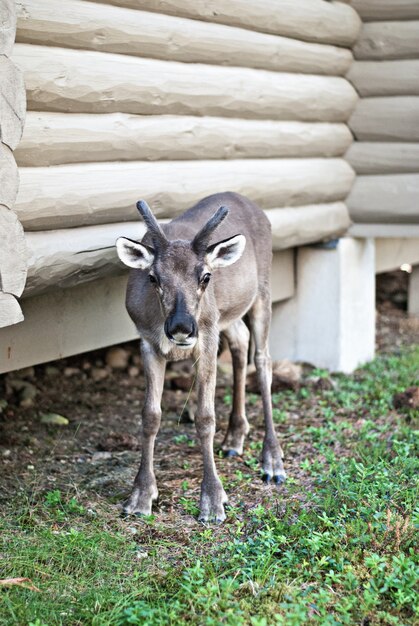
{"x": 180, "y": 309}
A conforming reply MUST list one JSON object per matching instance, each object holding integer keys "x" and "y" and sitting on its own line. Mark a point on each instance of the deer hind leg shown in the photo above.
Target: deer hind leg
{"x": 237, "y": 336}
{"x": 259, "y": 318}
{"x": 145, "y": 487}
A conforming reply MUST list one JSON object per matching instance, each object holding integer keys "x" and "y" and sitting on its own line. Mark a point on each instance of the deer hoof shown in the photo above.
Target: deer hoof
{"x": 213, "y": 517}
{"x": 229, "y": 453}
{"x": 139, "y": 503}
{"x": 279, "y": 479}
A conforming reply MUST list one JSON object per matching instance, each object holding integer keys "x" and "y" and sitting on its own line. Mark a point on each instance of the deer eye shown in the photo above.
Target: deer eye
{"x": 205, "y": 279}
{"x": 152, "y": 279}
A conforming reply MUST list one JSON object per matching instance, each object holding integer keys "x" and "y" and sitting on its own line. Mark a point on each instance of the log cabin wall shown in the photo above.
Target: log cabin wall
{"x": 13, "y": 254}
{"x": 170, "y": 101}
{"x": 385, "y": 122}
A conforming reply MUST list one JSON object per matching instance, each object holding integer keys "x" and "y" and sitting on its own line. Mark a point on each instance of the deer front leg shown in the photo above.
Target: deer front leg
{"x": 213, "y": 496}
{"x": 145, "y": 486}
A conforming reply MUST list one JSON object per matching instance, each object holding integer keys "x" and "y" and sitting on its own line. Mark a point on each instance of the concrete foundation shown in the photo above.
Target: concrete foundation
{"x": 330, "y": 321}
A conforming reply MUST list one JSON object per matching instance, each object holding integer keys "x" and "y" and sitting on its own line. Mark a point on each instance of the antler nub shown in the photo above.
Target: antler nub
{"x": 152, "y": 225}
{"x": 201, "y": 239}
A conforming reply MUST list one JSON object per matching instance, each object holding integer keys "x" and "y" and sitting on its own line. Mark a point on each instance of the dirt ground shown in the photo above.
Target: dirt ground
{"x": 94, "y": 450}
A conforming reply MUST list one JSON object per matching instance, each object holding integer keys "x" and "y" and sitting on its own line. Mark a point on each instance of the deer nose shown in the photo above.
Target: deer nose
{"x": 180, "y": 327}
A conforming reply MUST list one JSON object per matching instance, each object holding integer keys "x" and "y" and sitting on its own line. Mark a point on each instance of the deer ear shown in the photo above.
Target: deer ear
{"x": 225, "y": 252}
{"x": 134, "y": 254}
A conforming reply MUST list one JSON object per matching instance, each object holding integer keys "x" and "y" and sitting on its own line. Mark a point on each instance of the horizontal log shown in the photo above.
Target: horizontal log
{"x": 297, "y": 226}
{"x": 58, "y": 138}
{"x": 81, "y": 24}
{"x": 7, "y": 26}
{"x": 383, "y": 158}
{"x": 309, "y": 20}
{"x": 79, "y": 81}
{"x": 9, "y": 177}
{"x": 10, "y": 311}
{"x": 386, "y": 119}
{"x": 385, "y": 78}
{"x": 13, "y": 253}
{"x": 388, "y": 40}
{"x": 388, "y": 231}
{"x": 69, "y": 257}
{"x": 389, "y": 199}
{"x": 12, "y": 103}
{"x": 75, "y": 195}
{"x": 377, "y": 10}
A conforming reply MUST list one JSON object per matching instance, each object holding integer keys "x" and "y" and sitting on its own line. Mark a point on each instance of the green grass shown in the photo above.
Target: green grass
{"x": 336, "y": 548}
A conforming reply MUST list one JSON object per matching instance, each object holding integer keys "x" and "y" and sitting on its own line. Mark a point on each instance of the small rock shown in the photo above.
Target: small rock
{"x": 6, "y": 453}
{"x": 27, "y": 403}
{"x": 28, "y": 392}
{"x": 285, "y": 375}
{"x": 117, "y": 442}
{"x": 141, "y": 554}
{"x": 53, "y": 418}
{"x": 86, "y": 365}
{"x": 117, "y": 358}
{"x": 136, "y": 359}
{"x": 408, "y": 399}
{"x": 100, "y": 456}
{"x": 321, "y": 383}
{"x": 133, "y": 371}
{"x": 71, "y": 371}
{"x": 3, "y": 404}
{"x": 99, "y": 373}
{"x": 51, "y": 371}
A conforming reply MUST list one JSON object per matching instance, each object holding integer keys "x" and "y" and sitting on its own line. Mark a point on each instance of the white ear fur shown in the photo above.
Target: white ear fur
{"x": 225, "y": 252}
{"x": 134, "y": 254}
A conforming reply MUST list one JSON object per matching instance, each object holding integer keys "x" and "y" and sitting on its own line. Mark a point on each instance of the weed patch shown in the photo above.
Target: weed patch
{"x": 335, "y": 546}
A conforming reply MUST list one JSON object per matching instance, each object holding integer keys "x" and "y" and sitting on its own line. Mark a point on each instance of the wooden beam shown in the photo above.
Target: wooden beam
{"x": 386, "y": 119}
{"x": 388, "y": 40}
{"x": 96, "y": 193}
{"x": 385, "y": 78}
{"x": 90, "y": 316}
{"x": 66, "y": 322}
{"x": 377, "y": 10}
{"x": 80, "y": 81}
{"x": 309, "y": 20}
{"x": 13, "y": 253}
{"x": 389, "y": 199}
{"x": 58, "y": 138}
{"x": 80, "y": 24}
{"x": 383, "y": 158}
{"x": 7, "y": 26}
{"x": 69, "y": 257}
{"x": 384, "y": 230}
{"x": 12, "y": 103}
